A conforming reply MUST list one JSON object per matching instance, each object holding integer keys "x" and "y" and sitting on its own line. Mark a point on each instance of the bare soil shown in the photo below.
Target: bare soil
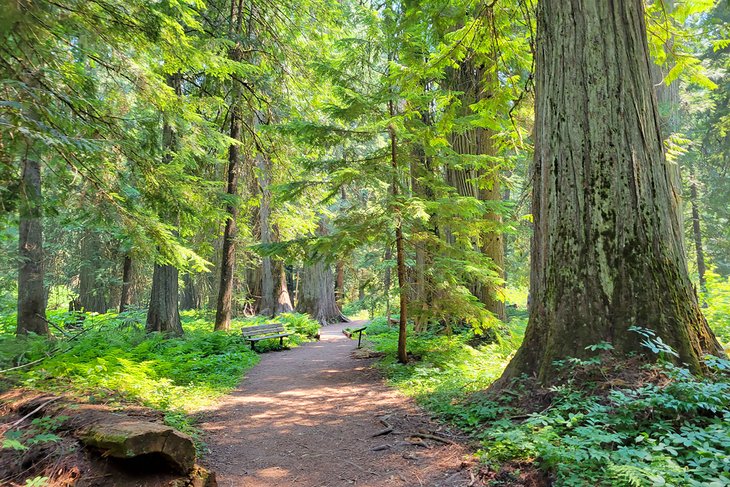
{"x": 309, "y": 417}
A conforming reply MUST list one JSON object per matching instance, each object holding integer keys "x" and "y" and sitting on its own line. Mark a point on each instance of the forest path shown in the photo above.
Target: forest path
{"x": 306, "y": 416}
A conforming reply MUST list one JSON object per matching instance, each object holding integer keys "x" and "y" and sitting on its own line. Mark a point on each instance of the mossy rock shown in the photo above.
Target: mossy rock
{"x": 128, "y": 438}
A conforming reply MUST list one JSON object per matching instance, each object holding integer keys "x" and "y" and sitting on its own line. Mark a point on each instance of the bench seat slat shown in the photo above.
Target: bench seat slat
{"x": 256, "y": 339}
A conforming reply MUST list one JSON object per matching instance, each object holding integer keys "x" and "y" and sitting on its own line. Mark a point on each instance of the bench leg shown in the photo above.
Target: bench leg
{"x": 281, "y": 342}
{"x": 253, "y": 346}
{"x": 359, "y": 339}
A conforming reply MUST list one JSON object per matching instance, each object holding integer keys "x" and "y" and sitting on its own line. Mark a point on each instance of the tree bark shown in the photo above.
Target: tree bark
{"x": 283, "y": 301}
{"x": 317, "y": 291}
{"x": 387, "y": 279}
{"x": 126, "y": 297}
{"x": 228, "y": 256}
{"x": 92, "y": 292}
{"x": 162, "y": 313}
{"x": 268, "y": 301}
{"x": 340, "y": 282}
{"x": 470, "y": 79}
{"x": 190, "y": 297}
{"x": 399, "y": 248}
{"x": 31, "y": 294}
{"x": 696, "y": 231}
{"x": 607, "y": 243}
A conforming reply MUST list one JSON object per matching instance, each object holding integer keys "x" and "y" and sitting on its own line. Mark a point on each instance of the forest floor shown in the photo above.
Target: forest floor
{"x": 311, "y": 416}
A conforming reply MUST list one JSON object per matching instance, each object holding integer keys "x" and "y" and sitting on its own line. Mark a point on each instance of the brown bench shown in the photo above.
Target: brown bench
{"x": 257, "y": 333}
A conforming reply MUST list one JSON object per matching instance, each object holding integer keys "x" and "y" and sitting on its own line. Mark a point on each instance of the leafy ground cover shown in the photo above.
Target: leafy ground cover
{"x": 655, "y": 426}
{"x": 109, "y": 358}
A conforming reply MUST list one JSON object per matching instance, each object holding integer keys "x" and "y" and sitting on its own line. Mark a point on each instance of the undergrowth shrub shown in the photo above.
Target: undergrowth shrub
{"x": 717, "y": 311}
{"x": 113, "y": 357}
{"x": 672, "y": 432}
{"x": 669, "y": 427}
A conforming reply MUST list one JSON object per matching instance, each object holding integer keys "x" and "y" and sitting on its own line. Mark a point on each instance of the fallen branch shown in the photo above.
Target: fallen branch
{"x": 427, "y": 436}
{"x": 13, "y": 425}
{"x": 384, "y": 432}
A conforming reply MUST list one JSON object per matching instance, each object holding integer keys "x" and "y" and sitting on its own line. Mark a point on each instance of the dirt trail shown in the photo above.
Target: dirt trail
{"x": 306, "y": 416}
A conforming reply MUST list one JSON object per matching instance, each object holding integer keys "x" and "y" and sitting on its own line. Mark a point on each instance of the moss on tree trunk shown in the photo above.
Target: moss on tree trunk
{"x": 607, "y": 243}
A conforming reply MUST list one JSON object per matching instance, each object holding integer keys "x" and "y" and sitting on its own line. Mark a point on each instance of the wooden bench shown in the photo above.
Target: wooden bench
{"x": 257, "y": 333}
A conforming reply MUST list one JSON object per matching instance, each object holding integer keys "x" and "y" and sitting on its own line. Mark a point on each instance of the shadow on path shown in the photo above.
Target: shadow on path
{"x": 306, "y": 416}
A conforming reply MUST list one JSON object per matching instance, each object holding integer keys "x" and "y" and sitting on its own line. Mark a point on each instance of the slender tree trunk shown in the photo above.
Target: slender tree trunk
{"x": 126, "y": 297}
{"x": 31, "y": 294}
{"x": 268, "y": 298}
{"x": 696, "y": 231}
{"x": 387, "y": 280}
{"x": 607, "y": 244}
{"x": 162, "y": 313}
{"x": 399, "y": 248}
{"x": 228, "y": 257}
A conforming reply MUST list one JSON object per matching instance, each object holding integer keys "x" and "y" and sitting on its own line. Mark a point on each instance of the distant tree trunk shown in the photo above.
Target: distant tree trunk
{"x": 470, "y": 79}
{"x": 696, "y": 231}
{"x": 493, "y": 247}
{"x": 126, "y": 298}
{"x": 283, "y": 302}
{"x": 421, "y": 171}
{"x": 317, "y": 290}
{"x": 317, "y": 294}
{"x": 162, "y": 313}
{"x": 268, "y": 301}
{"x": 31, "y": 294}
{"x": 387, "y": 280}
{"x": 228, "y": 257}
{"x": 92, "y": 292}
{"x": 607, "y": 243}
{"x": 339, "y": 282}
{"x": 190, "y": 297}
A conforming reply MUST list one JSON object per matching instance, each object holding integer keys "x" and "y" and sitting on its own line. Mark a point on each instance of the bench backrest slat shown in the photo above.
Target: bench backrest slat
{"x": 267, "y": 328}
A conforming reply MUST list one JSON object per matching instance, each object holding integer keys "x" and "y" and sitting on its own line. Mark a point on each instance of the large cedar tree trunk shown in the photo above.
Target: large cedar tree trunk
{"x": 317, "y": 290}
{"x": 162, "y": 313}
{"x": 606, "y": 250}
{"x": 317, "y": 294}
{"x": 469, "y": 78}
{"x": 31, "y": 294}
